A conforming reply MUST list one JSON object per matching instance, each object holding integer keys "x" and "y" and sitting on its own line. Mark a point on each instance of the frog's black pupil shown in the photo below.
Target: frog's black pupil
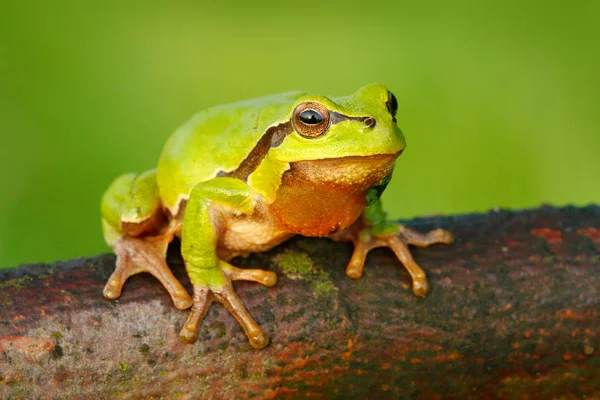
{"x": 310, "y": 117}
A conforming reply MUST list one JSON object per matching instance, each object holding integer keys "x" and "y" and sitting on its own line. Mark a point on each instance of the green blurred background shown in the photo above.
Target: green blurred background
{"x": 499, "y": 101}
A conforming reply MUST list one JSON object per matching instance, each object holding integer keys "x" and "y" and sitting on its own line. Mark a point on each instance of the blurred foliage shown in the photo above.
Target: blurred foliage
{"x": 498, "y": 100}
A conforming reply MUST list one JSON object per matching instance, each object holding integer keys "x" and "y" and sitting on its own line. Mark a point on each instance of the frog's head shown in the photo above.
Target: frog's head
{"x": 351, "y": 141}
{"x": 360, "y": 125}
{"x": 340, "y": 150}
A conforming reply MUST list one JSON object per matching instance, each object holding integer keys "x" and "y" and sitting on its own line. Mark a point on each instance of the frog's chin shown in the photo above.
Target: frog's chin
{"x": 357, "y": 172}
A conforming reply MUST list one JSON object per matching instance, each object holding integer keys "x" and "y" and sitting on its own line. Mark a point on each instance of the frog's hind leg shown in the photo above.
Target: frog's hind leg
{"x": 137, "y": 230}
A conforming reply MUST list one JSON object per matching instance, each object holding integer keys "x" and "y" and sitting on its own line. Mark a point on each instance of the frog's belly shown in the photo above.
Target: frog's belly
{"x": 241, "y": 235}
{"x": 318, "y": 198}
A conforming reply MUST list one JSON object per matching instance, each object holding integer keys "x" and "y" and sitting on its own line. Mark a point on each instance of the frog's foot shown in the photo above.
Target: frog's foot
{"x": 135, "y": 255}
{"x": 398, "y": 242}
{"x": 225, "y": 294}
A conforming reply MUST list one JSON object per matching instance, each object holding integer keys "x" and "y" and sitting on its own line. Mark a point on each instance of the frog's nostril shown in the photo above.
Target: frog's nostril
{"x": 370, "y": 122}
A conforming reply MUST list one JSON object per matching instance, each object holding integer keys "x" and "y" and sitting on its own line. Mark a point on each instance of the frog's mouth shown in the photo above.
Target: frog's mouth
{"x": 359, "y": 172}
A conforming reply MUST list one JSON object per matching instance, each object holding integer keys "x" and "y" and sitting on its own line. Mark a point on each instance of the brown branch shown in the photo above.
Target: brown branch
{"x": 513, "y": 313}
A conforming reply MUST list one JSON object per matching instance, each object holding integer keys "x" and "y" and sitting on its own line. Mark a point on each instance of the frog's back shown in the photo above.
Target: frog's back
{"x": 216, "y": 140}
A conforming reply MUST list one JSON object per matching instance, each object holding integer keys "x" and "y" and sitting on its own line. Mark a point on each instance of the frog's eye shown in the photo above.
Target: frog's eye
{"x": 392, "y": 105}
{"x": 311, "y": 119}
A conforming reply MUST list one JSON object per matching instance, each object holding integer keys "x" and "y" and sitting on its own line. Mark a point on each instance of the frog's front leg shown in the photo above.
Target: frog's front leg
{"x": 372, "y": 230}
{"x": 203, "y": 223}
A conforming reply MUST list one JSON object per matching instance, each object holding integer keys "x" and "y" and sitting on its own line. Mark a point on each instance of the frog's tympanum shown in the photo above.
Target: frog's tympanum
{"x": 244, "y": 177}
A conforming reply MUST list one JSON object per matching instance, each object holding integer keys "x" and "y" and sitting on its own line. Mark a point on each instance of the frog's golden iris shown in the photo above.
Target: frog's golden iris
{"x": 310, "y": 119}
{"x": 244, "y": 177}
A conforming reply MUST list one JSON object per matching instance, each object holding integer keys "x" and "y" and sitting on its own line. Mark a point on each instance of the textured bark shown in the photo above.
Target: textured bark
{"x": 513, "y": 313}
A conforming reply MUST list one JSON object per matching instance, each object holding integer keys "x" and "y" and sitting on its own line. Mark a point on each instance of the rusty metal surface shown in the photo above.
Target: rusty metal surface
{"x": 513, "y": 313}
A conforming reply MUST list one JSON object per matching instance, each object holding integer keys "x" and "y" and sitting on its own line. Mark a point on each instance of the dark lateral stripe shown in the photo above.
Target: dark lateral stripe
{"x": 336, "y": 118}
{"x": 273, "y": 137}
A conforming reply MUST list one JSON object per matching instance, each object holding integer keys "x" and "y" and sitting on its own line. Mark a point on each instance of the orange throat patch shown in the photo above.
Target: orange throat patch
{"x": 318, "y": 198}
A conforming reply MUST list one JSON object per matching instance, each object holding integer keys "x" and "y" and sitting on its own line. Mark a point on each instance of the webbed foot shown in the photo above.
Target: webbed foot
{"x": 364, "y": 241}
{"x": 135, "y": 255}
{"x": 219, "y": 288}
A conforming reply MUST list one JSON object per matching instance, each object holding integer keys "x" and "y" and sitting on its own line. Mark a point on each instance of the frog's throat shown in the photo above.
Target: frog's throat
{"x": 359, "y": 173}
{"x": 321, "y": 197}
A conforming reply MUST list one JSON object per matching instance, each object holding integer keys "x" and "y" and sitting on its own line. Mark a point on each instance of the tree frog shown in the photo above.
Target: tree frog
{"x": 244, "y": 177}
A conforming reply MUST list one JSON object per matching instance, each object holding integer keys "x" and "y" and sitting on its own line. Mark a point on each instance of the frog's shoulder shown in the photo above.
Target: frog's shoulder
{"x": 216, "y": 140}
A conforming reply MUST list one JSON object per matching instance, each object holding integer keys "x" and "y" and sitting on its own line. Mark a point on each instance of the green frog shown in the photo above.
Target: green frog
{"x": 242, "y": 178}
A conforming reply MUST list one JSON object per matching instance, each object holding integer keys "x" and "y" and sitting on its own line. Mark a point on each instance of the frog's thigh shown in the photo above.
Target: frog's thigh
{"x": 134, "y": 226}
{"x": 131, "y": 205}
{"x": 210, "y": 276}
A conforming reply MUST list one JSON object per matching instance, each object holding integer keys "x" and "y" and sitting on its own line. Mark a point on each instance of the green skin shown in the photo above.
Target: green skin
{"x": 212, "y": 174}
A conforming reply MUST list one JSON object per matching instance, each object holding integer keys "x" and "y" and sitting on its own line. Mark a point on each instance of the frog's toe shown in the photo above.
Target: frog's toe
{"x": 183, "y": 302}
{"x": 201, "y": 302}
{"x": 187, "y": 335}
{"x": 445, "y": 237}
{"x": 123, "y": 270}
{"x": 259, "y": 339}
{"x": 435, "y": 236}
{"x": 112, "y": 291}
{"x": 356, "y": 264}
{"x": 354, "y": 272}
{"x": 424, "y": 240}
{"x": 267, "y": 278}
{"x": 227, "y": 296}
{"x": 420, "y": 288}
